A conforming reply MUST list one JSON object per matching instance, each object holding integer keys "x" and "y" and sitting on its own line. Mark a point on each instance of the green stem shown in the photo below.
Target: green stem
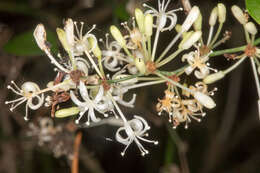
{"x": 168, "y": 59}
{"x": 169, "y": 152}
{"x": 173, "y": 82}
{"x": 170, "y": 73}
{"x": 232, "y": 50}
{"x": 148, "y": 78}
{"x": 234, "y": 65}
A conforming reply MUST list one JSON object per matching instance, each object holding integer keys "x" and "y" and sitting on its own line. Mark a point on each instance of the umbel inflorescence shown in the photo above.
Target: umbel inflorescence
{"x": 132, "y": 61}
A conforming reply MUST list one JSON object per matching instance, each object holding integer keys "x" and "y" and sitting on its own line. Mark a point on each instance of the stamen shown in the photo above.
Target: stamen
{"x": 81, "y": 30}
{"x": 16, "y": 105}
{"x": 15, "y": 86}
{"x": 16, "y": 92}
{"x": 77, "y": 29}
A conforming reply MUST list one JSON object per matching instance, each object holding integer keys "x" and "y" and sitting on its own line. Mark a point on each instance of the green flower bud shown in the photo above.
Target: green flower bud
{"x": 117, "y": 35}
{"x": 221, "y": 13}
{"x": 139, "y": 15}
{"x": 139, "y": 62}
{"x": 62, "y": 113}
{"x": 178, "y": 28}
{"x": 197, "y": 24}
{"x": 148, "y": 24}
{"x": 62, "y": 37}
{"x": 94, "y": 47}
{"x": 213, "y": 77}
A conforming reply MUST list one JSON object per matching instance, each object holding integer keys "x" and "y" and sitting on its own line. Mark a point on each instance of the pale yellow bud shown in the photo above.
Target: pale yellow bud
{"x": 139, "y": 62}
{"x": 251, "y": 28}
{"x": 221, "y": 13}
{"x": 205, "y": 100}
{"x": 190, "y": 19}
{"x": 117, "y": 35}
{"x": 191, "y": 40}
{"x": 213, "y": 77}
{"x": 239, "y": 14}
{"x": 197, "y": 24}
{"x": 62, "y": 37}
{"x": 94, "y": 47}
{"x": 148, "y": 24}
{"x": 213, "y": 16}
{"x": 139, "y": 16}
{"x": 69, "y": 30}
{"x": 178, "y": 28}
{"x": 185, "y": 37}
{"x": 62, "y": 113}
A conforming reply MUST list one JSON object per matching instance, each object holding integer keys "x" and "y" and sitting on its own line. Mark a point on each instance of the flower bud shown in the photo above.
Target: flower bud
{"x": 191, "y": 40}
{"x": 213, "y": 16}
{"x": 214, "y": 77}
{"x": 205, "y": 100}
{"x": 190, "y": 19}
{"x": 139, "y": 62}
{"x": 197, "y": 24}
{"x": 239, "y": 14}
{"x": 178, "y": 28}
{"x": 186, "y": 36}
{"x": 139, "y": 15}
{"x": 221, "y": 13}
{"x": 40, "y": 37}
{"x": 62, "y": 37}
{"x": 62, "y": 113}
{"x": 94, "y": 47}
{"x": 69, "y": 30}
{"x": 117, "y": 35}
{"x": 251, "y": 28}
{"x": 148, "y": 24}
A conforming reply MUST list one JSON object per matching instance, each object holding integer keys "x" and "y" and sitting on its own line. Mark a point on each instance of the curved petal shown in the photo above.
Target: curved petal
{"x": 83, "y": 91}
{"x": 76, "y": 100}
{"x": 39, "y": 103}
{"x": 99, "y": 95}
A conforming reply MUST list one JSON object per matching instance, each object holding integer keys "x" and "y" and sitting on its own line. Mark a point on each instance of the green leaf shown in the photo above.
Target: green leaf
{"x": 121, "y": 13}
{"x": 253, "y": 7}
{"x": 25, "y": 45}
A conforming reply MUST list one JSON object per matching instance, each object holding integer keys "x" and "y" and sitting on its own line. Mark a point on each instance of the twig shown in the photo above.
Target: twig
{"x": 75, "y": 161}
{"x": 215, "y": 151}
{"x": 182, "y": 149}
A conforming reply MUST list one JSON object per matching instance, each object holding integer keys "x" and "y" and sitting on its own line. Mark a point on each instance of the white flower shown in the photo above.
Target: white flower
{"x": 78, "y": 43}
{"x": 29, "y": 93}
{"x": 162, "y": 16}
{"x": 89, "y": 104}
{"x": 195, "y": 60}
{"x": 112, "y": 55}
{"x": 133, "y": 131}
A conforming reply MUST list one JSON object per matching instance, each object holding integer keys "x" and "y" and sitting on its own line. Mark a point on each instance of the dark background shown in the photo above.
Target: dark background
{"x": 227, "y": 140}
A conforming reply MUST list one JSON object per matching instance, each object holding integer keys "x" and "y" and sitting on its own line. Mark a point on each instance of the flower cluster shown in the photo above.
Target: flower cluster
{"x": 96, "y": 79}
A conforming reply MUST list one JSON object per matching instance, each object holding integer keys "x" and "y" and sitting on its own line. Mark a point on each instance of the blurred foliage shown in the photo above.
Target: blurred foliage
{"x": 25, "y": 45}
{"x": 253, "y": 7}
